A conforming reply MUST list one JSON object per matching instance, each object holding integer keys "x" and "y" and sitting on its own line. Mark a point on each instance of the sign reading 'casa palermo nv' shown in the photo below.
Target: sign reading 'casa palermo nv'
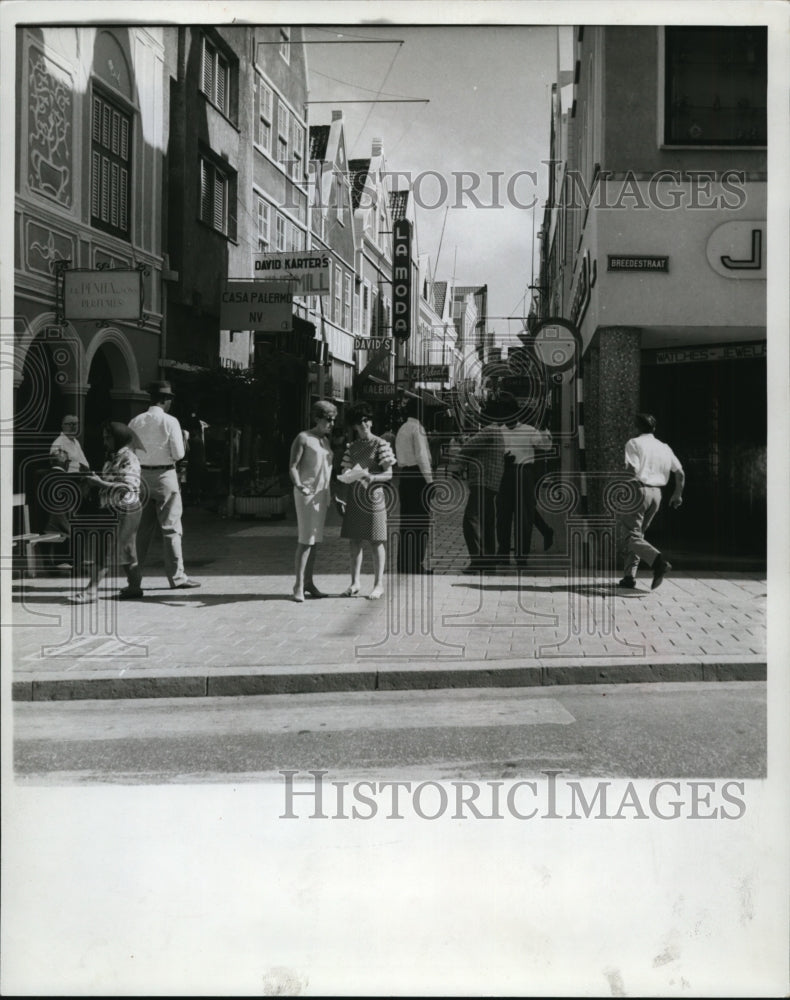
{"x": 256, "y": 305}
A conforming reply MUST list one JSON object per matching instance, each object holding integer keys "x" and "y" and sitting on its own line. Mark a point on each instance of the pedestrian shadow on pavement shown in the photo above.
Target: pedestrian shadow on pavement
{"x": 61, "y": 596}
{"x": 598, "y": 589}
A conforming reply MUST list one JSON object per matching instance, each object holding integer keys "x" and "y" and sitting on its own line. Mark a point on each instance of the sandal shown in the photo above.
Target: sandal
{"x": 352, "y": 591}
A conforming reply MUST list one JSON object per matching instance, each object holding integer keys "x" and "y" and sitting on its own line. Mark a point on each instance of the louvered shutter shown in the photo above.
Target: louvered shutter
{"x": 220, "y": 194}
{"x": 208, "y": 70}
{"x": 222, "y": 76}
{"x": 205, "y": 192}
{"x": 95, "y": 183}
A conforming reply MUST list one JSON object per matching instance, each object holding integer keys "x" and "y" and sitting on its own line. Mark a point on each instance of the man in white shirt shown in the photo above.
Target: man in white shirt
{"x": 66, "y": 451}
{"x": 162, "y": 445}
{"x": 415, "y": 473}
{"x": 516, "y": 497}
{"x": 651, "y": 462}
{"x": 67, "y": 455}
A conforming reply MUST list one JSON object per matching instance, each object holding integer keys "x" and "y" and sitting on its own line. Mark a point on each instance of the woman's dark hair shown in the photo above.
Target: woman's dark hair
{"x": 120, "y": 434}
{"x": 358, "y": 413}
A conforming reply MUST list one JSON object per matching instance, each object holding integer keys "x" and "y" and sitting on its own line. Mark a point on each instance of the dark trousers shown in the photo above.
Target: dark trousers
{"x": 516, "y": 503}
{"x": 414, "y": 519}
{"x": 479, "y": 524}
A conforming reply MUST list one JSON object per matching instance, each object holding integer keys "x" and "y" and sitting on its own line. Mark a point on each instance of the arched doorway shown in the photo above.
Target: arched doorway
{"x": 98, "y": 407}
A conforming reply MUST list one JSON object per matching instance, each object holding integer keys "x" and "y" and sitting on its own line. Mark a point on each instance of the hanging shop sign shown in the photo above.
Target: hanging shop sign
{"x": 401, "y": 279}
{"x": 378, "y": 390}
{"x": 373, "y": 343}
{"x": 256, "y": 305}
{"x": 102, "y": 294}
{"x": 631, "y": 263}
{"x": 424, "y": 373}
{"x": 307, "y": 271}
{"x": 737, "y": 249}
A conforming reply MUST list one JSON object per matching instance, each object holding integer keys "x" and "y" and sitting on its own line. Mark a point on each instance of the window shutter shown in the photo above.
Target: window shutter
{"x": 105, "y": 126}
{"x": 97, "y": 119}
{"x": 205, "y": 192}
{"x": 105, "y": 188}
{"x": 95, "y": 183}
{"x": 114, "y": 194}
{"x": 116, "y": 131}
{"x": 208, "y": 69}
{"x": 124, "y": 139}
{"x": 123, "y": 220}
{"x": 220, "y": 189}
{"x": 222, "y": 75}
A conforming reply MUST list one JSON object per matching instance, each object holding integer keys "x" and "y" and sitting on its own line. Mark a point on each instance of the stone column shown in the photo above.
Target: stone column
{"x": 611, "y": 372}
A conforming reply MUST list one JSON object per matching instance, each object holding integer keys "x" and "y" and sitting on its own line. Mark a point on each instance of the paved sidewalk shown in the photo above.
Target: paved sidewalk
{"x": 241, "y": 633}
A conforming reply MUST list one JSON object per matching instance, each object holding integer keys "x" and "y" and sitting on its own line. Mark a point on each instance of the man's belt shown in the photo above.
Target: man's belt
{"x": 157, "y": 468}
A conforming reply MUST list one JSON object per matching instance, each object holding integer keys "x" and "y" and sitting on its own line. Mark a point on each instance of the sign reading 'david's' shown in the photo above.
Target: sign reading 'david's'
{"x": 372, "y": 343}
{"x": 256, "y": 305}
{"x": 631, "y": 263}
{"x": 307, "y": 271}
{"x": 401, "y": 279}
{"x": 102, "y": 294}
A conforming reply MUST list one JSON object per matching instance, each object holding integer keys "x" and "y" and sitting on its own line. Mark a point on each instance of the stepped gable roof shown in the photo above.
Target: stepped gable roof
{"x": 398, "y": 201}
{"x": 358, "y": 172}
{"x": 319, "y": 137}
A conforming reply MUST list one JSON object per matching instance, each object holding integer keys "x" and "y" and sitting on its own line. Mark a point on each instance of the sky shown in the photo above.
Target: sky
{"x": 489, "y": 104}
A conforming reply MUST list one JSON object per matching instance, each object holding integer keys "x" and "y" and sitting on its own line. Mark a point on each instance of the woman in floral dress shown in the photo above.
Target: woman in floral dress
{"x": 363, "y": 503}
{"x": 119, "y": 505}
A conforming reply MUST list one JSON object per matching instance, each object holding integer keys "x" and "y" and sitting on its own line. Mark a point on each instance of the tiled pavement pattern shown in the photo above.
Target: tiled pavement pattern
{"x": 241, "y": 632}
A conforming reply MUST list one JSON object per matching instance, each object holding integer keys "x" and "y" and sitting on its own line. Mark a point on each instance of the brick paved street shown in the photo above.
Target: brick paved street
{"x": 241, "y": 632}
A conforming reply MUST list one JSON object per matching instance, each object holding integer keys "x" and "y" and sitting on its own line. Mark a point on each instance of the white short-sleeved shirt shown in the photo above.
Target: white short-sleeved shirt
{"x": 73, "y": 450}
{"x": 651, "y": 460}
{"x": 160, "y": 435}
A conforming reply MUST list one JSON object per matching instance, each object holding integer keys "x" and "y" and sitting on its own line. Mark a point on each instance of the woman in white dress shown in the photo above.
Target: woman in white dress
{"x": 310, "y": 471}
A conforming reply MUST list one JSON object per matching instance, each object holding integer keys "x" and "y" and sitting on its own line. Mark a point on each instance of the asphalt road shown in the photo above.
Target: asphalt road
{"x": 683, "y": 730}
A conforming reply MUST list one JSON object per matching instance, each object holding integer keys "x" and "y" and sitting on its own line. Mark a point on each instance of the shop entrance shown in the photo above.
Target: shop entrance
{"x": 713, "y": 416}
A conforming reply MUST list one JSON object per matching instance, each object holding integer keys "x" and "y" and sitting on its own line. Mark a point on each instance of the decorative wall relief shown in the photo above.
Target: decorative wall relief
{"x": 50, "y": 110}
{"x": 44, "y": 247}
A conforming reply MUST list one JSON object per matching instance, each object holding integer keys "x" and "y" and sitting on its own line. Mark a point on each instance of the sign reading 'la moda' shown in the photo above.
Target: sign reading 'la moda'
{"x": 401, "y": 279}
{"x": 256, "y": 305}
{"x": 307, "y": 271}
{"x": 110, "y": 294}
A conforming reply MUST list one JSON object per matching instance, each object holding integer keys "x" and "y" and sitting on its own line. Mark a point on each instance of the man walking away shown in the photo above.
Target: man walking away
{"x": 516, "y": 499}
{"x": 651, "y": 462}
{"x": 162, "y": 446}
{"x": 415, "y": 474}
{"x": 485, "y": 455}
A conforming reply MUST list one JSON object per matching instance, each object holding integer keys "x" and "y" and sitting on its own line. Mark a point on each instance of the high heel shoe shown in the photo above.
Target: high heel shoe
{"x": 352, "y": 591}
{"x": 311, "y": 590}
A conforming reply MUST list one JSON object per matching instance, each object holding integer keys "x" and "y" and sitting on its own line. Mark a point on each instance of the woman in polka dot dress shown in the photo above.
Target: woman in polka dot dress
{"x": 363, "y": 502}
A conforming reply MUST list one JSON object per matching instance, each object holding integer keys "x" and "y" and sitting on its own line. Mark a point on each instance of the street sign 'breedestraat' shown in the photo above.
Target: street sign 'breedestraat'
{"x": 256, "y": 305}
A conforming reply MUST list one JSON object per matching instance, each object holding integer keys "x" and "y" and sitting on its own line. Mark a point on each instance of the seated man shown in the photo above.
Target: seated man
{"x": 67, "y": 455}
